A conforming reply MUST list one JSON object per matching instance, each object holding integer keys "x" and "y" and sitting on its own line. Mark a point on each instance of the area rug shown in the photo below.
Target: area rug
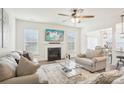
{"x": 53, "y": 74}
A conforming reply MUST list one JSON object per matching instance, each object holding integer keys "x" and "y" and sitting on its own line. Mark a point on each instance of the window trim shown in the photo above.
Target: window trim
{"x": 37, "y": 41}
{"x": 72, "y": 51}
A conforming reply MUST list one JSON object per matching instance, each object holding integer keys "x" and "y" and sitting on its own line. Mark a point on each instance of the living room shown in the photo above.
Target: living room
{"x": 63, "y": 45}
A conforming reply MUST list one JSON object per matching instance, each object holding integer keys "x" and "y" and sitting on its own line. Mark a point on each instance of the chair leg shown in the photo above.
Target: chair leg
{"x": 123, "y": 63}
{"x": 117, "y": 64}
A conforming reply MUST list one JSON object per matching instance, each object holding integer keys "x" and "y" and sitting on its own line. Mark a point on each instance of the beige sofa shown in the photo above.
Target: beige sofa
{"x": 92, "y": 60}
{"x": 27, "y": 79}
{"x": 9, "y": 69}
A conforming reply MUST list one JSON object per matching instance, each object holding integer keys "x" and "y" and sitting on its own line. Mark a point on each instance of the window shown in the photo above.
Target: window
{"x": 106, "y": 37}
{"x": 92, "y": 42}
{"x": 31, "y": 40}
{"x": 71, "y": 41}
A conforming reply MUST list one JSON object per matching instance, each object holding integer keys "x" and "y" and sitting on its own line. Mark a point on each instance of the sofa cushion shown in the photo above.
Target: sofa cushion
{"x": 99, "y": 53}
{"x": 85, "y": 61}
{"x": 99, "y": 59}
{"x": 26, "y": 67}
{"x": 81, "y": 55}
{"x": 6, "y": 71}
{"x": 90, "y": 53}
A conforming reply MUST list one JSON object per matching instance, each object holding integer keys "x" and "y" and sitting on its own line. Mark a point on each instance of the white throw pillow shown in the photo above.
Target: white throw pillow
{"x": 9, "y": 61}
{"x": 15, "y": 55}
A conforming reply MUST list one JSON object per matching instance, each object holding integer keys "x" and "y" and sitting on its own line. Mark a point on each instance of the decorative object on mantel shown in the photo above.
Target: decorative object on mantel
{"x": 54, "y": 36}
{"x": 54, "y": 42}
{"x": 122, "y": 32}
{"x": 67, "y": 56}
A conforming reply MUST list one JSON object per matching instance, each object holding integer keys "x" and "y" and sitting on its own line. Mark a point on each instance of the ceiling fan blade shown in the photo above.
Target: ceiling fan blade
{"x": 85, "y": 17}
{"x": 63, "y": 15}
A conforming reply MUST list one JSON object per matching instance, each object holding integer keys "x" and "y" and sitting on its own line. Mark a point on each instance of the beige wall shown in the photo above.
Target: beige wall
{"x": 21, "y": 25}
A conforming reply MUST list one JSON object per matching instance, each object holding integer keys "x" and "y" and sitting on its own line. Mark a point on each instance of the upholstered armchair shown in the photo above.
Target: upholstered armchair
{"x": 92, "y": 60}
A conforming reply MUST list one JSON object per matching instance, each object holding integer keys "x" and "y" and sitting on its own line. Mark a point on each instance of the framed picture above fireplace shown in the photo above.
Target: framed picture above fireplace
{"x": 52, "y": 35}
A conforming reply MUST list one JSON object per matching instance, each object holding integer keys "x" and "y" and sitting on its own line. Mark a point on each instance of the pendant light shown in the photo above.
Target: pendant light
{"x": 122, "y": 22}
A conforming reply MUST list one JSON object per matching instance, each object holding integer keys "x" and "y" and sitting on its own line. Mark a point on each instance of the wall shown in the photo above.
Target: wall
{"x": 21, "y": 25}
{"x": 85, "y": 34}
{"x": 11, "y": 36}
{"x": 83, "y": 41}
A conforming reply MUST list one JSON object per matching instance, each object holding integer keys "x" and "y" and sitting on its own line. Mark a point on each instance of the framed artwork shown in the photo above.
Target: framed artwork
{"x": 54, "y": 35}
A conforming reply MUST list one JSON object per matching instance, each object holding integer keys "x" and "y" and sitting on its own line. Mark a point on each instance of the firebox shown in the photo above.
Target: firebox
{"x": 54, "y": 54}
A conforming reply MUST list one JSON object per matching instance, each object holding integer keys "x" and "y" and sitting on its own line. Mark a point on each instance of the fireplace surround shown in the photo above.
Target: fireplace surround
{"x": 54, "y": 54}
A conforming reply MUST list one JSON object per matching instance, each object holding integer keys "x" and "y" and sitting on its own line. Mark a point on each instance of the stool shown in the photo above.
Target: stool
{"x": 121, "y": 59}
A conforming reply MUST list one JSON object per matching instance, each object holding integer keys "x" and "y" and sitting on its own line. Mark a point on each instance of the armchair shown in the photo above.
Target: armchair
{"x": 92, "y": 60}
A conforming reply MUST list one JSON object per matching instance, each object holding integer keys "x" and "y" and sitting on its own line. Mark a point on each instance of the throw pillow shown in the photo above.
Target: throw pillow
{"x": 99, "y": 59}
{"x": 26, "y": 67}
{"x": 9, "y": 61}
{"x": 15, "y": 55}
{"x": 27, "y": 55}
{"x": 105, "y": 77}
{"x": 98, "y": 53}
{"x": 90, "y": 53}
{"x": 6, "y": 71}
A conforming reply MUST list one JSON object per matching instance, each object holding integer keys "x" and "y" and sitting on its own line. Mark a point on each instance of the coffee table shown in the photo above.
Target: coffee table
{"x": 54, "y": 73}
{"x": 70, "y": 68}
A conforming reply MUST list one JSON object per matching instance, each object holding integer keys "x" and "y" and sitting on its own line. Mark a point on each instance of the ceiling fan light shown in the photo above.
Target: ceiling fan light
{"x": 73, "y": 20}
{"x": 77, "y": 20}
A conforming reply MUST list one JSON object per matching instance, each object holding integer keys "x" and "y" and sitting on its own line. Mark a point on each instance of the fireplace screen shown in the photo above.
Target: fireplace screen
{"x": 54, "y": 54}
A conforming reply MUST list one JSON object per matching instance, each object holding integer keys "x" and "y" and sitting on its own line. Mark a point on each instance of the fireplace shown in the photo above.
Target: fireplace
{"x": 54, "y": 54}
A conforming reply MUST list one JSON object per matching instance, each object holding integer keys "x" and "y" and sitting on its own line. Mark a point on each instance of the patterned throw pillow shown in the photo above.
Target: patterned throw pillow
{"x": 107, "y": 77}
{"x": 104, "y": 78}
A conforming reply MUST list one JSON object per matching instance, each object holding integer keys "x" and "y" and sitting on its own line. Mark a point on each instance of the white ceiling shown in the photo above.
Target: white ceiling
{"x": 104, "y": 17}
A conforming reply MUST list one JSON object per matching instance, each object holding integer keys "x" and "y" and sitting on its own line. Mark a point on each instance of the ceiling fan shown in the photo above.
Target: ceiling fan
{"x": 76, "y": 16}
